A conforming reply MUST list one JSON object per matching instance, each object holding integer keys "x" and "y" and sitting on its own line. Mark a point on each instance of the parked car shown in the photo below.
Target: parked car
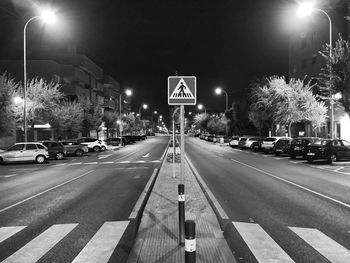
{"x": 56, "y": 149}
{"x": 93, "y": 144}
{"x": 250, "y": 141}
{"x": 242, "y": 141}
{"x": 330, "y": 150}
{"x": 25, "y": 151}
{"x": 268, "y": 143}
{"x": 115, "y": 141}
{"x": 234, "y": 141}
{"x": 298, "y": 146}
{"x": 256, "y": 145}
{"x": 130, "y": 138}
{"x": 282, "y": 146}
{"x": 74, "y": 148}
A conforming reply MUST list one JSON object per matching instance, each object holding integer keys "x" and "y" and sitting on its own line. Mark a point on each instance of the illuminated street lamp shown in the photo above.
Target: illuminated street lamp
{"x": 305, "y": 9}
{"x": 201, "y": 107}
{"x": 218, "y": 91}
{"x": 127, "y": 92}
{"x": 48, "y": 17}
{"x": 143, "y": 106}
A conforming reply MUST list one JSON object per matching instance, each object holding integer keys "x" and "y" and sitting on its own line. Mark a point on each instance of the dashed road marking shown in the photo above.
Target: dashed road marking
{"x": 6, "y": 232}
{"x": 10, "y": 175}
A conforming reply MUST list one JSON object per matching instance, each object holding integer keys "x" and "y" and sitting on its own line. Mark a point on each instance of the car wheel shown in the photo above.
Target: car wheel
{"x": 79, "y": 153}
{"x": 332, "y": 158}
{"x": 59, "y": 156}
{"x": 96, "y": 149}
{"x": 40, "y": 159}
{"x": 103, "y": 148}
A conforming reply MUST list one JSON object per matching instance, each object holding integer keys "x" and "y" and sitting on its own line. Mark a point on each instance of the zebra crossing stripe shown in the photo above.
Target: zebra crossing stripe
{"x": 40, "y": 245}
{"x": 326, "y": 246}
{"x": 263, "y": 247}
{"x": 101, "y": 246}
{"x": 6, "y": 232}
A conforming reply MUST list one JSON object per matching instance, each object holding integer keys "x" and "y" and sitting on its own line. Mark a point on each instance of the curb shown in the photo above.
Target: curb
{"x": 340, "y": 164}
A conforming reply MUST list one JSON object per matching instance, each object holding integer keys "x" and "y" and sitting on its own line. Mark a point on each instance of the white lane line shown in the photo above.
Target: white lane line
{"x": 104, "y": 156}
{"x": 166, "y": 149}
{"x": 263, "y": 247}
{"x": 330, "y": 249}
{"x": 277, "y": 158}
{"x": 40, "y": 245}
{"x": 6, "y": 232}
{"x": 139, "y": 202}
{"x": 124, "y": 162}
{"x": 10, "y": 175}
{"x": 60, "y": 164}
{"x": 101, "y": 246}
{"x": 155, "y": 161}
{"x": 106, "y": 162}
{"x": 75, "y": 163}
{"x": 91, "y": 163}
{"x": 217, "y": 205}
{"x": 47, "y": 190}
{"x": 294, "y": 184}
{"x": 139, "y": 161}
{"x": 131, "y": 168}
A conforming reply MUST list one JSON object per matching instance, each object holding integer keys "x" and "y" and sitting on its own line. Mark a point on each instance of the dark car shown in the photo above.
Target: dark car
{"x": 130, "y": 138}
{"x": 115, "y": 141}
{"x": 282, "y": 146}
{"x": 56, "y": 149}
{"x": 256, "y": 145}
{"x": 298, "y": 146}
{"x": 74, "y": 148}
{"x": 330, "y": 150}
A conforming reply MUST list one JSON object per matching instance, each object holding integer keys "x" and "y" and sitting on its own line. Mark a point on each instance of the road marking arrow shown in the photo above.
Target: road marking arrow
{"x": 145, "y": 156}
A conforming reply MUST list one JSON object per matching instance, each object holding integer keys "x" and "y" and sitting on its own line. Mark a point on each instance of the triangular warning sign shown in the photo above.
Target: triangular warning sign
{"x": 182, "y": 91}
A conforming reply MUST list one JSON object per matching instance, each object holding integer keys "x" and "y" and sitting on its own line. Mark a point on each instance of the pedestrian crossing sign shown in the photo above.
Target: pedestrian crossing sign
{"x": 182, "y": 90}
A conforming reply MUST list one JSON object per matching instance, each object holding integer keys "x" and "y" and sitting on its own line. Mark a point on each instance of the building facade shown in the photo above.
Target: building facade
{"x": 305, "y": 61}
{"x": 78, "y": 76}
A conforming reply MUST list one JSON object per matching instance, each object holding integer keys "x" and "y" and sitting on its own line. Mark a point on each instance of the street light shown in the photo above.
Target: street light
{"x": 305, "y": 9}
{"x": 143, "y": 106}
{"x": 201, "y": 107}
{"x": 218, "y": 91}
{"x": 48, "y": 17}
{"x": 127, "y": 92}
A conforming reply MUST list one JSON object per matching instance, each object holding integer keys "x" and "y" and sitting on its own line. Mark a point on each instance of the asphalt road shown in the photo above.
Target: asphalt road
{"x": 67, "y": 210}
{"x": 280, "y": 210}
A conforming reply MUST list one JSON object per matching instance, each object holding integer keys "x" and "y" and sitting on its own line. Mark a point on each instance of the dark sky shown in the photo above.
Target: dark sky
{"x": 141, "y": 43}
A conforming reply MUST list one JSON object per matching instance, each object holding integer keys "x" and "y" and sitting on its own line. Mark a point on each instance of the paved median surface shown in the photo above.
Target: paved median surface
{"x": 157, "y": 239}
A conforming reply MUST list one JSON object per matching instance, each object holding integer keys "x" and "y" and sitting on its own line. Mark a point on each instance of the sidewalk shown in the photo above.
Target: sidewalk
{"x": 157, "y": 238}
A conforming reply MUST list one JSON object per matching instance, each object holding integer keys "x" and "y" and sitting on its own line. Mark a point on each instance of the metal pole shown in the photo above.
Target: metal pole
{"x": 182, "y": 150}
{"x": 174, "y": 150}
{"x": 120, "y": 120}
{"x": 190, "y": 241}
{"x": 226, "y": 100}
{"x": 181, "y": 206}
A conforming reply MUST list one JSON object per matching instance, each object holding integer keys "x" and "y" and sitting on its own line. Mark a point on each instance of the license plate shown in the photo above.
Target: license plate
{"x": 311, "y": 154}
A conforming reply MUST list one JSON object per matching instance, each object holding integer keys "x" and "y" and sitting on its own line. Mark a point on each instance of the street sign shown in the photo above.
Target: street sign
{"x": 182, "y": 90}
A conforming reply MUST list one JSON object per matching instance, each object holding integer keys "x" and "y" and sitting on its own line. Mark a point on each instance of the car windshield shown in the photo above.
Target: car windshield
{"x": 321, "y": 143}
{"x": 270, "y": 139}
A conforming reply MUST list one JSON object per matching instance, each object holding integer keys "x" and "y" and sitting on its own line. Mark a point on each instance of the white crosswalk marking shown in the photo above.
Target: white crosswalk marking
{"x": 263, "y": 247}
{"x": 6, "y": 232}
{"x": 330, "y": 249}
{"x": 40, "y": 245}
{"x": 101, "y": 246}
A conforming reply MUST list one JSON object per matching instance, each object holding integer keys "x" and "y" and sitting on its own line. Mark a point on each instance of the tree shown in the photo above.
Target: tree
{"x": 201, "y": 121}
{"x": 128, "y": 122}
{"x": 42, "y": 98}
{"x": 6, "y": 113}
{"x": 335, "y": 76}
{"x": 110, "y": 120}
{"x": 92, "y": 115}
{"x": 67, "y": 118}
{"x": 217, "y": 125}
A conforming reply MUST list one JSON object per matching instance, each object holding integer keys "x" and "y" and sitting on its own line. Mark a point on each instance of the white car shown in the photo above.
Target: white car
{"x": 250, "y": 141}
{"x": 93, "y": 144}
{"x": 25, "y": 151}
{"x": 234, "y": 141}
{"x": 269, "y": 142}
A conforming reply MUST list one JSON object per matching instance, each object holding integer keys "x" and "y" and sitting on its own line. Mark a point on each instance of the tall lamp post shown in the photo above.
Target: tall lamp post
{"x": 47, "y": 17}
{"x": 127, "y": 92}
{"x": 143, "y": 106}
{"x": 305, "y": 9}
{"x": 218, "y": 91}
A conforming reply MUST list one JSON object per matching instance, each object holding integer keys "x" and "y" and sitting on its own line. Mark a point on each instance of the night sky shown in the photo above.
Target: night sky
{"x": 141, "y": 43}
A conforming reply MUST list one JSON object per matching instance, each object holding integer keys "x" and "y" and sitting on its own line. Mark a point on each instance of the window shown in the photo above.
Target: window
{"x": 17, "y": 147}
{"x": 41, "y": 146}
{"x": 31, "y": 146}
{"x": 346, "y": 143}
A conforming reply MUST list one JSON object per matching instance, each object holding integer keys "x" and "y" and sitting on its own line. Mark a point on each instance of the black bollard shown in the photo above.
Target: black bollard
{"x": 190, "y": 241}
{"x": 181, "y": 191}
